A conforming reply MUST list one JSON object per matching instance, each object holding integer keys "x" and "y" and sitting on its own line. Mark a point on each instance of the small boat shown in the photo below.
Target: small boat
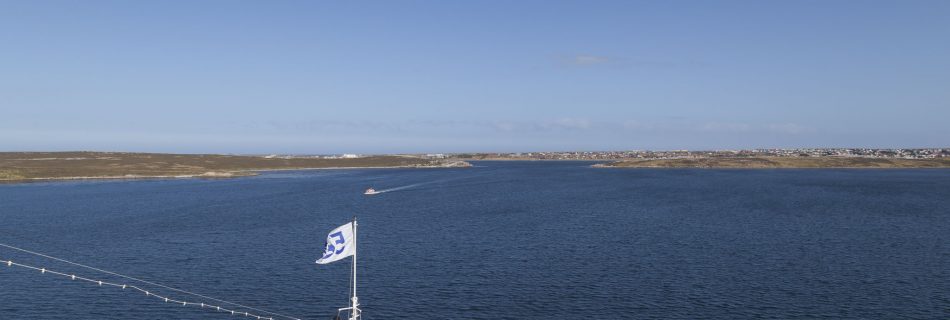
{"x": 370, "y": 191}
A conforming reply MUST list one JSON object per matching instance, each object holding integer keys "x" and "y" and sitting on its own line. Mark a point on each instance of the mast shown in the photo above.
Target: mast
{"x": 354, "y": 302}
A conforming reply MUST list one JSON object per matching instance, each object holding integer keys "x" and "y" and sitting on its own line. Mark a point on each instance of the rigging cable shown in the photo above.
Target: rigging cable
{"x": 10, "y": 263}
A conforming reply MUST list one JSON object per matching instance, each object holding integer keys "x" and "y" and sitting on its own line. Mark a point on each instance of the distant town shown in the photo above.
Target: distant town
{"x": 680, "y": 154}
{"x": 923, "y": 153}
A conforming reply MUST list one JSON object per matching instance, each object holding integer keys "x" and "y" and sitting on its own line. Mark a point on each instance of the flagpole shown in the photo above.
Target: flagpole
{"x": 354, "y": 302}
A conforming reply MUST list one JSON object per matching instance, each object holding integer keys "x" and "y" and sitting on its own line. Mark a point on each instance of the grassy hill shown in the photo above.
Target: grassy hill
{"x": 17, "y": 166}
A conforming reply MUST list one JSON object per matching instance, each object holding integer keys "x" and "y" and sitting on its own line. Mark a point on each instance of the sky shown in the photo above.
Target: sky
{"x": 321, "y": 77}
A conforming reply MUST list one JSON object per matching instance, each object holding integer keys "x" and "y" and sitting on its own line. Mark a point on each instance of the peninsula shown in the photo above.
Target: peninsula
{"x": 754, "y": 158}
{"x": 33, "y": 166}
{"x": 780, "y": 162}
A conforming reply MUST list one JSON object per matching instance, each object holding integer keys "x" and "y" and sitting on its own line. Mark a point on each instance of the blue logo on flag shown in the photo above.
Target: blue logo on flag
{"x": 331, "y": 249}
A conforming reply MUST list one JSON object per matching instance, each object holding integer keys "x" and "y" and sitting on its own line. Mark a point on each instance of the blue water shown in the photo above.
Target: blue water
{"x": 503, "y": 240}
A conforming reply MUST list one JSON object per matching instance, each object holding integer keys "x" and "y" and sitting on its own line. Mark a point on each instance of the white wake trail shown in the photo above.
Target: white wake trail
{"x": 425, "y": 183}
{"x": 403, "y": 187}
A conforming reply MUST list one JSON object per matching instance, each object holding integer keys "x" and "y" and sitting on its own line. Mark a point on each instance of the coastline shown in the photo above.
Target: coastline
{"x": 24, "y": 167}
{"x": 780, "y": 163}
{"x": 206, "y": 175}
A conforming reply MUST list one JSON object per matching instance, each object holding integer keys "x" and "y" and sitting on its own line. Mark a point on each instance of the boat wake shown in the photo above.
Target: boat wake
{"x": 415, "y": 185}
{"x": 403, "y": 187}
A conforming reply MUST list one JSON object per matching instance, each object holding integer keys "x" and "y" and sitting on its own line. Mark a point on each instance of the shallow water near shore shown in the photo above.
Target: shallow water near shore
{"x": 501, "y": 240}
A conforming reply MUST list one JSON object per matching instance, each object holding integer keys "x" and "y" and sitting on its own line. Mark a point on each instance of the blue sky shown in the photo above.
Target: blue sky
{"x": 462, "y": 76}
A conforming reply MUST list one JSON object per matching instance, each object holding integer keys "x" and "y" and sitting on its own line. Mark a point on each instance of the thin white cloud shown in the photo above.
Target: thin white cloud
{"x": 725, "y": 127}
{"x": 738, "y": 127}
{"x": 568, "y": 123}
{"x": 789, "y": 128}
{"x": 541, "y": 126}
{"x": 562, "y": 124}
{"x": 504, "y": 126}
{"x": 588, "y": 60}
{"x": 638, "y": 125}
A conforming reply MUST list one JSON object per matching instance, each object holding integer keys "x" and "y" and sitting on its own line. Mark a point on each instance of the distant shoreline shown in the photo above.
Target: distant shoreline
{"x": 529, "y": 159}
{"x": 208, "y": 175}
{"x": 781, "y": 163}
{"x": 16, "y": 167}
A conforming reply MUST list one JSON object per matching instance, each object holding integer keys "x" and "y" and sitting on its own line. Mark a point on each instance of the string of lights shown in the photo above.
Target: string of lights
{"x": 217, "y": 308}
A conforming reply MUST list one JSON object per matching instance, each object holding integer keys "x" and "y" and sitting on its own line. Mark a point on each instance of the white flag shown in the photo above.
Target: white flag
{"x": 340, "y": 244}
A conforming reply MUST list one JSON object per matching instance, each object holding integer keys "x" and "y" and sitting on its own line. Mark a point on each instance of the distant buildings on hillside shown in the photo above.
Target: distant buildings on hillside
{"x": 678, "y": 154}
{"x": 927, "y": 153}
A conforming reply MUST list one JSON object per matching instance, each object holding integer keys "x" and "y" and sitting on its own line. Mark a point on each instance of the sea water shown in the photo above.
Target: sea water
{"x": 502, "y": 240}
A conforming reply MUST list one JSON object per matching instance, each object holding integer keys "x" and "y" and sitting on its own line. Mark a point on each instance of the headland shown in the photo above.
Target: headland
{"x": 38, "y": 166}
